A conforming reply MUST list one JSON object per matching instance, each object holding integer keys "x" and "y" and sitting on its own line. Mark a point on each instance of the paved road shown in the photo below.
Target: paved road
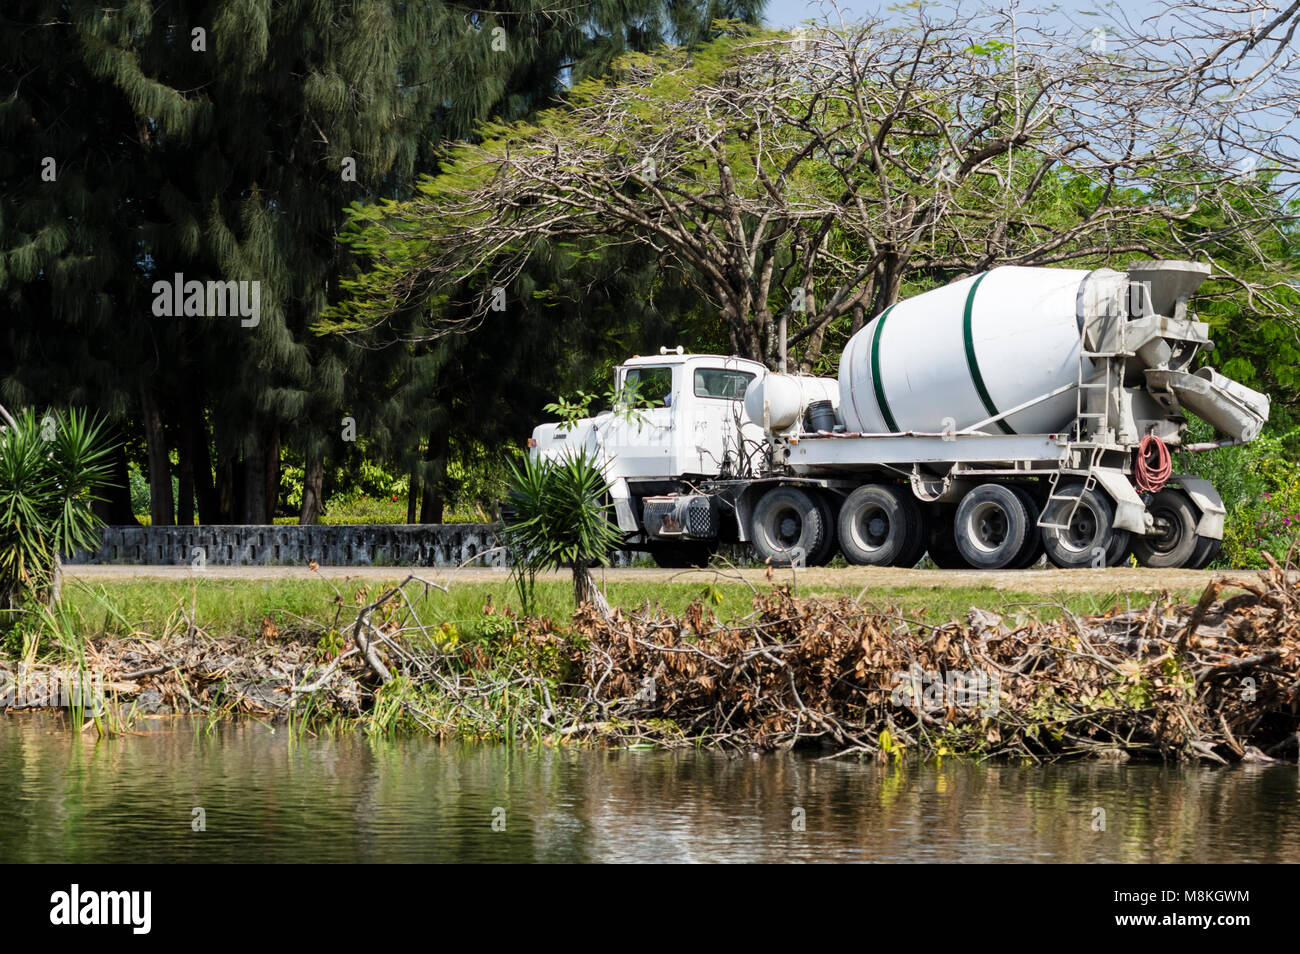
{"x": 1022, "y": 581}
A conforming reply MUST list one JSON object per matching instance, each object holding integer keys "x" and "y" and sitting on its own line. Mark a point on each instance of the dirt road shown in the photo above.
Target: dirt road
{"x": 1020, "y": 581}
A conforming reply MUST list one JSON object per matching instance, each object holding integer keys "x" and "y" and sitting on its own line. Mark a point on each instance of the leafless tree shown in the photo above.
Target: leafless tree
{"x": 809, "y": 175}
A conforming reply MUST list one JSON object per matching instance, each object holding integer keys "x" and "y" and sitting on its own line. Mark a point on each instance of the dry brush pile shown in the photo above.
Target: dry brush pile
{"x": 1219, "y": 680}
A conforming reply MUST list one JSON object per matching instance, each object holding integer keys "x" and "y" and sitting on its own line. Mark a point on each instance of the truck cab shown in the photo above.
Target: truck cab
{"x": 678, "y": 416}
{"x": 678, "y": 419}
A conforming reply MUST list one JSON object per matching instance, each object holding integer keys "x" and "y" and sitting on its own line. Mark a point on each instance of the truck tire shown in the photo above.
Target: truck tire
{"x": 1121, "y": 546}
{"x": 681, "y": 556}
{"x": 920, "y": 540}
{"x": 1207, "y": 549}
{"x": 990, "y": 526}
{"x": 1172, "y": 541}
{"x": 942, "y": 547}
{"x": 1091, "y": 531}
{"x": 787, "y": 522}
{"x": 1033, "y": 548}
{"x": 878, "y": 525}
{"x": 827, "y": 505}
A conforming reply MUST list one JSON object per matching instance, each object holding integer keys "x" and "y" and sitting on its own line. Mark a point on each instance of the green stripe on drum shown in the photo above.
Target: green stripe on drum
{"x": 875, "y": 372}
{"x": 976, "y": 378}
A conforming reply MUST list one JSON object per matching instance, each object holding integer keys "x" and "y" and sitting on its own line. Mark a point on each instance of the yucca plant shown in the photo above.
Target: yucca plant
{"x": 560, "y": 516}
{"x": 51, "y": 470}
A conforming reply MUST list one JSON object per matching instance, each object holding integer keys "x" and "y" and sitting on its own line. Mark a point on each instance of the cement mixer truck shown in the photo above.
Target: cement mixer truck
{"x": 1016, "y": 414}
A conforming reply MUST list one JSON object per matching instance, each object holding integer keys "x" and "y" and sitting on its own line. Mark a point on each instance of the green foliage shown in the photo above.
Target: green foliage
{"x": 626, "y": 402}
{"x": 159, "y": 171}
{"x": 52, "y": 468}
{"x": 560, "y": 517}
{"x": 1254, "y": 332}
{"x": 571, "y": 412}
{"x": 1260, "y": 486}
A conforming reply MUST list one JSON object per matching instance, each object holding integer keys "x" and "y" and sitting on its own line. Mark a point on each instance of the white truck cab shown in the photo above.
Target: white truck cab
{"x": 689, "y": 420}
{"x": 680, "y": 419}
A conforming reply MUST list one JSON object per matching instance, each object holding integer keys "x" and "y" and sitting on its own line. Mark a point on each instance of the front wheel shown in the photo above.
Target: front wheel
{"x": 1207, "y": 549}
{"x": 790, "y": 526}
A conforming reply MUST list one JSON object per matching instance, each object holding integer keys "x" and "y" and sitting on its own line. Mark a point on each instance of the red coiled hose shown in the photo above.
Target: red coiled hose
{"x": 1152, "y": 473}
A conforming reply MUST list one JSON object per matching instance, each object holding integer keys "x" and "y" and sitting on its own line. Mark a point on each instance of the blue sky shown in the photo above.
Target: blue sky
{"x": 787, "y": 13}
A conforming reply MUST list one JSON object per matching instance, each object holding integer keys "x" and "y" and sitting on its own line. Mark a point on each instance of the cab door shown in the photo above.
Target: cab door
{"x": 641, "y": 440}
{"x": 713, "y": 412}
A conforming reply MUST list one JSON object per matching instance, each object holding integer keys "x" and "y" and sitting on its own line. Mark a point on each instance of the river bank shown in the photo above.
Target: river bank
{"x": 735, "y": 666}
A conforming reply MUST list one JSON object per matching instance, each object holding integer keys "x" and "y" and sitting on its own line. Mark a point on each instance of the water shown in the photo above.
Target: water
{"x": 269, "y": 799}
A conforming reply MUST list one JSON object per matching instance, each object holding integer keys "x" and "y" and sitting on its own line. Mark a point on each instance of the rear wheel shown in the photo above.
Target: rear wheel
{"x": 1207, "y": 549}
{"x": 1033, "y": 547}
{"x": 789, "y": 526}
{"x": 919, "y": 540}
{"x": 1171, "y": 541}
{"x": 1090, "y": 540}
{"x": 990, "y": 527}
{"x": 826, "y": 552}
{"x": 879, "y": 525}
{"x": 942, "y": 548}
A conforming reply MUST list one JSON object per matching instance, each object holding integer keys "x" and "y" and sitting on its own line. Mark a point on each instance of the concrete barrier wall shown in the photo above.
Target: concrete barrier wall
{"x": 449, "y": 544}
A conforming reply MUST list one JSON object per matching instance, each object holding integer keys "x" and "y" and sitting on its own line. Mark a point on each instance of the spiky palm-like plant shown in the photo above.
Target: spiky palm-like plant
{"x": 560, "y": 517}
{"x": 51, "y": 470}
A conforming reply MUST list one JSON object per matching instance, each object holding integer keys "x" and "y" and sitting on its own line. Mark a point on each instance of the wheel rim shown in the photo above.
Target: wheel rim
{"x": 1083, "y": 530}
{"x": 871, "y": 528}
{"x": 987, "y": 526}
{"x": 787, "y": 527}
{"x": 1168, "y": 535}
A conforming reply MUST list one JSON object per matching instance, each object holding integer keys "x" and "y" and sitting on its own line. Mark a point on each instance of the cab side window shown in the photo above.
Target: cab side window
{"x": 649, "y": 387}
{"x": 721, "y": 384}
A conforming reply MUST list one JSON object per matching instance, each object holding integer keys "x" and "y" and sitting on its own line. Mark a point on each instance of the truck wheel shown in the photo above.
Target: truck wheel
{"x": 1171, "y": 541}
{"x": 789, "y": 522}
{"x": 681, "y": 556}
{"x": 1033, "y": 547}
{"x": 1207, "y": 549}
{"x": 826, "y": 552}
{"x": 990, "y": 526}
{"x": 1090, "y": 539}
{"x": 918, "y": 541}
{"x": 1121, "y": 545}
{"x": 878, "y": 525}
{"x": 942, "y": 548}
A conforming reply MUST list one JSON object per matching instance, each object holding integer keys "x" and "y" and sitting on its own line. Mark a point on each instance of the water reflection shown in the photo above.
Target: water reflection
{"x": 64, "y": 798}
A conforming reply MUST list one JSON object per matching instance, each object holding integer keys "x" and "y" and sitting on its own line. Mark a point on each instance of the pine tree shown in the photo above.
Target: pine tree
{"x": 222, "y": 141}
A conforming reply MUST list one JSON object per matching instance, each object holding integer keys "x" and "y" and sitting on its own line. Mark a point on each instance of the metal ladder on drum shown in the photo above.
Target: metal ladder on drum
{"x": 1091, "y": 446}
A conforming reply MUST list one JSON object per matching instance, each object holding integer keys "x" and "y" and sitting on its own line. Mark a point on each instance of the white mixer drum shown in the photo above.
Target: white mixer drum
{"x": 963, "y": 353}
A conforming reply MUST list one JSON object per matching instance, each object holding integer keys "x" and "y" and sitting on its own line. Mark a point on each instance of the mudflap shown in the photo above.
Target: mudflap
{"x": 623, "y": 510}
{"x": 1207, "y": 501}
{"x": 1130, "y": 511}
